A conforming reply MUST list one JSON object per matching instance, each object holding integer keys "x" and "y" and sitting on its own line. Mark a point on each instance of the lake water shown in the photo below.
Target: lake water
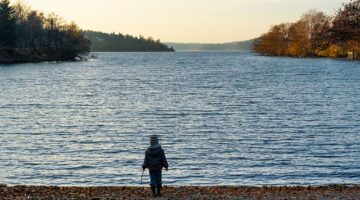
{"x": 225, "y": 118}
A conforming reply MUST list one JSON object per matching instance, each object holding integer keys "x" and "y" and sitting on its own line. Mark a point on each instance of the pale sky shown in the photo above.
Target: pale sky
{"x": 205, "y": 21}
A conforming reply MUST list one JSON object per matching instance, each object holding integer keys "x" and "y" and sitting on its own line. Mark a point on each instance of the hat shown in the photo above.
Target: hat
{"x": 154, "y": 139}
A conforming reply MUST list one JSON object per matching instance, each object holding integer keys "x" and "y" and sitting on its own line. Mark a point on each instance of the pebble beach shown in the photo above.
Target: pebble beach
{"x": 181, "y": 192}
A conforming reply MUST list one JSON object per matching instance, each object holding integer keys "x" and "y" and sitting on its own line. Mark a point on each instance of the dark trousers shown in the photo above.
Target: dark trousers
{"x": 155, "y": 178}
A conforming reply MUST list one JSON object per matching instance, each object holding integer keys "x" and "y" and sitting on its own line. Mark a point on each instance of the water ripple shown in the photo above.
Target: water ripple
{"x": 224, "y": 118}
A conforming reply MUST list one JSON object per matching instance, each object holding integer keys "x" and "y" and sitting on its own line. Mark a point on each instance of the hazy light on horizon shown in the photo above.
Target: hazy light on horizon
{"x": 184, "y": 20}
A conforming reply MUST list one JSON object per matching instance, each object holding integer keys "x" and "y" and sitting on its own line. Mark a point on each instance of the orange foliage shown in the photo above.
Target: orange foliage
{"x": 315, "y": 34}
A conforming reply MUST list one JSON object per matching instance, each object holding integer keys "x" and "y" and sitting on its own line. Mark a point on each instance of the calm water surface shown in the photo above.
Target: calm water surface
{"x": 223, "y": 118}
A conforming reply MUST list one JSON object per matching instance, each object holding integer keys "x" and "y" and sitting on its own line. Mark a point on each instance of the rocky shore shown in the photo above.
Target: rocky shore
{"x": 28, "y": 55}
{"x": 173, "y": 193}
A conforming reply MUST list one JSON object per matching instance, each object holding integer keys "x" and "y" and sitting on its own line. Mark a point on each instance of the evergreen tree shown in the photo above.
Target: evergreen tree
{"x": 7, "y": 25}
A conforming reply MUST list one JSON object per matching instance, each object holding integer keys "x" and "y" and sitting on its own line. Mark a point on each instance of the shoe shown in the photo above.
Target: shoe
{"x": 158, "y": 192}
{"x": 153, "y": 191}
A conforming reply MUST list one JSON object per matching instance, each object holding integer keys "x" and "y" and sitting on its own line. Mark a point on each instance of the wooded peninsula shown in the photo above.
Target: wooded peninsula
{"x": 27, "y": 35}
{"x": 315, "y": 35}
{"x": 117, "y": 42}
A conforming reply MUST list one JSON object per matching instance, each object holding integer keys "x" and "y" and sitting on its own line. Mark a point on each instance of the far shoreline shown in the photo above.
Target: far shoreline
{"x": 93, "y": 55}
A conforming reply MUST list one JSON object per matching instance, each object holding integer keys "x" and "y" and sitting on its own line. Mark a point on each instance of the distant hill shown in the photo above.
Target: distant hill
{"x": 105, "y": 42}
{"x": 231, "y": 46}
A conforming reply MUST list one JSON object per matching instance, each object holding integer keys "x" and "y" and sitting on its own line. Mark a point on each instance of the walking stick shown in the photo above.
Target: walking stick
{"x": 142, "y": 175}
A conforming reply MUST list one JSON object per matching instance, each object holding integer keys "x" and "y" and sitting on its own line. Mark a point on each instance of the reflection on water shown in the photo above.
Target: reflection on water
{"x": 223, "y": 118}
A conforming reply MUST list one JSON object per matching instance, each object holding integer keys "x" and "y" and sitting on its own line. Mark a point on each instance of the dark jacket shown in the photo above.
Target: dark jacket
{"x": 155, "y": 158}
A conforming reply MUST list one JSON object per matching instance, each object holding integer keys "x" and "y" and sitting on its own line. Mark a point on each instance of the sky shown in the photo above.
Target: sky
{"x": 202, "y": 21}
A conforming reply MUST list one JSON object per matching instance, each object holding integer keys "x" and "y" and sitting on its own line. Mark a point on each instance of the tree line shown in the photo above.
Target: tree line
{"x": 230, "y": 46}
{"x": 315, "y": 34}
{"x": 117, "y": 42}
{"x": 27, "y": 35}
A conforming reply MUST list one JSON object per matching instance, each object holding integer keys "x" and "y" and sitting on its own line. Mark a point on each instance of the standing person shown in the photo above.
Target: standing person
{"x": 155, "y": 161}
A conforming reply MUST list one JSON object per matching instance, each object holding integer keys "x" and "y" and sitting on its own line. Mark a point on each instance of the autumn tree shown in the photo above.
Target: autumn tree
{"x": 315, "y": 34}
{"x": 53, "y": 26}
{"x": 299, "y": 43}
{"x": 275, "y": 42}
{"x": 21, "y": 11}
{"x": 317, "y": 26}
{"x": 74, "y": 41}
{"x": 346, "y": 26}
{"x": 320, "y": 32}
{"x": 308, "y": 36}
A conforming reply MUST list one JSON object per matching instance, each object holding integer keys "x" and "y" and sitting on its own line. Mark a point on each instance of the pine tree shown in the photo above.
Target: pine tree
{"x": 7, "y": 25}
